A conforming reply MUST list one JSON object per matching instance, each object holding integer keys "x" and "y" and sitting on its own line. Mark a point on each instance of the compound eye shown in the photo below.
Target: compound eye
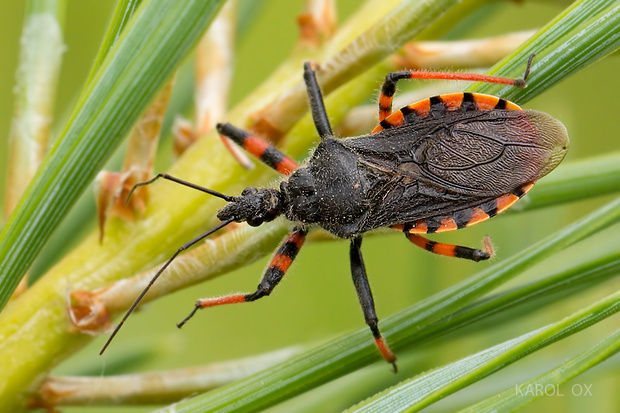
{"x": 301, "y": 183}
{"x": 249, "y": 191}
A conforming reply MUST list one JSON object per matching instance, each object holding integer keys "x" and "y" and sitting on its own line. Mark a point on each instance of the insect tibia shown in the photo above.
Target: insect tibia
{"x": 254, "y": 206}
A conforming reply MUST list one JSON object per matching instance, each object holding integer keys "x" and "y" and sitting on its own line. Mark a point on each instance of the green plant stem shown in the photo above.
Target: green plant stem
{"x": 154, "y": 387}
{"x": 407, "y": 19}
{"x": 35, "y": 94}
{"x": 579, "y": 36}
{"x": 537, "y": 294}
{"x": 590, "y": 272}
{"x": 205, "y": 262}
{"x": 503, "y": 308}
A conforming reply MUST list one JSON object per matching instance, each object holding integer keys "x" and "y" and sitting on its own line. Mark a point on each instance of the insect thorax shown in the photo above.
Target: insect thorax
{"x": 327, "y": 191}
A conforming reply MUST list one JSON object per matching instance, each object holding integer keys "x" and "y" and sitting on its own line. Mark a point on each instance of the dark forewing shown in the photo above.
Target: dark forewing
{"x": 445, "y": 164}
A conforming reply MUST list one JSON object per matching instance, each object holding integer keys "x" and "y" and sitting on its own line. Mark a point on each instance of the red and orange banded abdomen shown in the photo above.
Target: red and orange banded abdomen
{"x": 465, "y": 217}
{"x": 450, "y": 102}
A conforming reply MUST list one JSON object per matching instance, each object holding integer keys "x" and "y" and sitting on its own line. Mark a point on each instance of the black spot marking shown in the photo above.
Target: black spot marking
{"x": 468, "y": 104}
{"x": 385, "y": 124}
{"x": 289, "y": 249}
{"x": 462, "y": 217}
{"x": 519, "y": 192}
{"x": 433, "y": 224}
{"x": 271, "y": 157}
{"x": 490, "y": 208}
{"x": 409, "y": 115}
{"x": 438, "y": 107}
{"x": 430, "y": 245}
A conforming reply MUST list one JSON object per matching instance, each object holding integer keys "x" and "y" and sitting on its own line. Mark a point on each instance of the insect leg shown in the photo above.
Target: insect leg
{"x": 280, "y": 263}
{"x": 389, "y": 86}
{"x": 259, "y": 148}
{"x": 450, "y": 250}
{"x": 317, "y": 106}
{"x": 364, "y": 294}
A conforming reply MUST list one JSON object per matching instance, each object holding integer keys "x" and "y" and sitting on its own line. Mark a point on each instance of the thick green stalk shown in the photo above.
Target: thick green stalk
{"x": 584, "y": 273}
{"x": 35, "y": 93}
{"x": 150, "y": 48}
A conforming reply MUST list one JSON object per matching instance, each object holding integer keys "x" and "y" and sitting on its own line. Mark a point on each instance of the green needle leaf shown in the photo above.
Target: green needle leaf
{"x": 150, "y": 48}
{"x": 521, "y": 394}
{"x": 419, "y": 392}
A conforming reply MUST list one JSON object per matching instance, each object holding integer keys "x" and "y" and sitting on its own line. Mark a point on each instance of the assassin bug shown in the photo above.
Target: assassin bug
{"x": 440, "y": 164}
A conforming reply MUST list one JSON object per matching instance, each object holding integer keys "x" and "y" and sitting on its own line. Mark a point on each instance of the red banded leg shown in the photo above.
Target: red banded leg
{"x": 389, "y": 86}
{"x": 280, "y": 263}
{"x": 364, "y": 294}
{"x": 450, "y": 250}
{"x": 259, "y": 148}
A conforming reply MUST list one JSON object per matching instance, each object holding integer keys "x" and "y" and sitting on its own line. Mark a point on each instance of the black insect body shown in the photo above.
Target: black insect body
{"x": 437, "y": 165}
{"x": 416, "y": 172}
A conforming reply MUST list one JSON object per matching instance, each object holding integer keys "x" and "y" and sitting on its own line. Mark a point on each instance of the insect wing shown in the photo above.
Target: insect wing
{"x": 440, "y": 166}
{"x": 486, "y": 154}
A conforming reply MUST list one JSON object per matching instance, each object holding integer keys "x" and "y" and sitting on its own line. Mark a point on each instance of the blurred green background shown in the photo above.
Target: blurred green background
{"x": 317, "y": 300}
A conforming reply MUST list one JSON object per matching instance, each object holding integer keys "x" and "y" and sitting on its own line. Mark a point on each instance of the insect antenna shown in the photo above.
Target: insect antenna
{"x": 181, "y": 182}
{"x": 183, "y": 247}
{"x": 161, "y": 270}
